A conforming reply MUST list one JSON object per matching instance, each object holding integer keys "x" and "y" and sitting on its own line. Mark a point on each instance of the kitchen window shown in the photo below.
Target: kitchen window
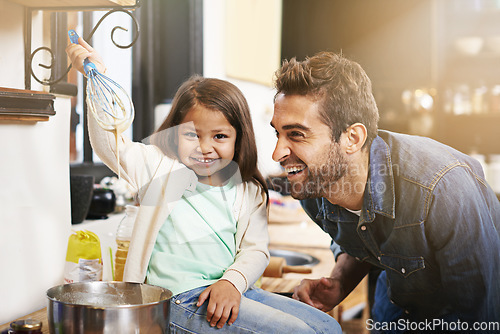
{"x": 168, "y": 50}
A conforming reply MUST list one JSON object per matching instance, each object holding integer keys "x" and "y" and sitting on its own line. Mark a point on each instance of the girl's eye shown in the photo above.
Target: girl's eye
{"x": 190, "y": 134}
{"x": 220, "y": 136}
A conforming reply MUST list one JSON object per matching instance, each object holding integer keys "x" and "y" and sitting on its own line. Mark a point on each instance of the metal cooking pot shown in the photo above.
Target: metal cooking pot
{"x": 108, "y": 307}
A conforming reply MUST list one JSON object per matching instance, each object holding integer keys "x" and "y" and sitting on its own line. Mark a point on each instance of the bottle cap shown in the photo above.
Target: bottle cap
{"x": 26, "y": 325}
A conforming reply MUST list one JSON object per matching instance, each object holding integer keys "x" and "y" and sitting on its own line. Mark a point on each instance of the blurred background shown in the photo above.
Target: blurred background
{"x": 434, "y": 65}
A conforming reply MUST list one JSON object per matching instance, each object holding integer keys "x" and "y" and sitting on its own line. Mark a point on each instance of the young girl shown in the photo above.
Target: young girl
{"x": 201, "y": 229}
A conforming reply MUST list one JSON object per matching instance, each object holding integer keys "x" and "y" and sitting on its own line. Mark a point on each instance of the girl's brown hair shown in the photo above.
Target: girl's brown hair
{"x": 218, "y": 95}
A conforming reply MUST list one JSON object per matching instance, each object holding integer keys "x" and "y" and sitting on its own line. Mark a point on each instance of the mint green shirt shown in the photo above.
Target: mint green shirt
{"x": 196, "y": 244}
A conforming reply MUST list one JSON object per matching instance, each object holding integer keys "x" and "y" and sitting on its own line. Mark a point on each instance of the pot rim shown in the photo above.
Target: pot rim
{"x": 52, "y": 290}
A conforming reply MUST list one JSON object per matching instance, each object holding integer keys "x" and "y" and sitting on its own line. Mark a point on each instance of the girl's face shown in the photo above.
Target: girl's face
{"x": 206, "y": 142}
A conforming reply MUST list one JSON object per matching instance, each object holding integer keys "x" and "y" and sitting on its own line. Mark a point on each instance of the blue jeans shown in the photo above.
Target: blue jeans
{"x": 260, "y": 312}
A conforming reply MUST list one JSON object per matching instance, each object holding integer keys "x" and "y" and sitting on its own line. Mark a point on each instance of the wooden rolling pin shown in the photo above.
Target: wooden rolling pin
{"x": 277, "y": 267}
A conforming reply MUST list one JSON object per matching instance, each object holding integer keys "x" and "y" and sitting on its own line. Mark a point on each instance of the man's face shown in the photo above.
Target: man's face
{"x": 305, "y": 148}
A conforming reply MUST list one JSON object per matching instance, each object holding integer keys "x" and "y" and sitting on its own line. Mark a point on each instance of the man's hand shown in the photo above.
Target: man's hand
{"x": 324, "y": 293}
{"x": 79, "y": 52}
{"x": 223, "y": 303}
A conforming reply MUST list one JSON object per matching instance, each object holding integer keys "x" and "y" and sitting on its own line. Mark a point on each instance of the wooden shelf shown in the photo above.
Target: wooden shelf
{"x": 25, "y": 105}
{"x": 76, "y": 4}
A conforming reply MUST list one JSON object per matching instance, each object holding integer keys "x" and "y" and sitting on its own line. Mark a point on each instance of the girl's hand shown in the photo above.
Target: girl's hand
{"x": 77, "y": 53}
{"x": 223, "y": 304}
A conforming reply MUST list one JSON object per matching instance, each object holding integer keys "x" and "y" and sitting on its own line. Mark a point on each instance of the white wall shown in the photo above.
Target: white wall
{"x": 35, "y": 215}
{"x": 12, "y": 42}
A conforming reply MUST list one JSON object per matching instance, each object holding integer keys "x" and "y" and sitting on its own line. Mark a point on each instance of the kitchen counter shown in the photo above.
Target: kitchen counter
{"x": 301, "y": 234}
{"x": 305, "y": 237}
{"x": 105, "y": 229}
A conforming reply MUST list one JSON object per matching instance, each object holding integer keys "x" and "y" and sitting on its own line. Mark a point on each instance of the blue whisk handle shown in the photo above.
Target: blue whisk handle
{"x": 73, "y": 36}
{"x": 88, "y": 66}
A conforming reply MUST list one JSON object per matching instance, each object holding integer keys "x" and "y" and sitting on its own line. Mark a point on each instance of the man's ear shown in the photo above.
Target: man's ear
{"x": 356, "y": 137}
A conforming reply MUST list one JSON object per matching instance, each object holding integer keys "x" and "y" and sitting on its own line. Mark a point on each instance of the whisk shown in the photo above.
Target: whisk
{"x": 109, "y": 102}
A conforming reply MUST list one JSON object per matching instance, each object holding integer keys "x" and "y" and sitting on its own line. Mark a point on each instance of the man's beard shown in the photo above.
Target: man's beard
{"x": 322, "y": 179}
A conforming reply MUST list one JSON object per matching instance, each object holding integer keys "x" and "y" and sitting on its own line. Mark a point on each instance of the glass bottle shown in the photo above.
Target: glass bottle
{"x": 123, "y": 236}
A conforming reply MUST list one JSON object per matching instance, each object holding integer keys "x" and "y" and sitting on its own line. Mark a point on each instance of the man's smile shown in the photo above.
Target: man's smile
{"x": 294, "y": 170}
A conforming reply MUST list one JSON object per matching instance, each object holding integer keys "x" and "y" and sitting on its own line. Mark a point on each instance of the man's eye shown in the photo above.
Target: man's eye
{"x": 276, "y": 133}
{"x": 296, "y": 134}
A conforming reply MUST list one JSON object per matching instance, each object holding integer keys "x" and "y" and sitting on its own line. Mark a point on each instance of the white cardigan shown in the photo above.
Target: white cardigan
{"x": 160, "y": 183}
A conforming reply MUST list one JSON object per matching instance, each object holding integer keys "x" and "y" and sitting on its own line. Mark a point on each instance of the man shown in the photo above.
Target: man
{"x": 417, "y": 209}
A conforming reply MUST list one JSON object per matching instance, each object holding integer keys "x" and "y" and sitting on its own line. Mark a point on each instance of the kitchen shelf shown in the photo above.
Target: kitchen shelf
{"x": 31, "y": 6}
{"x": 76, "y": 4}
{"x": 25, "y": 105}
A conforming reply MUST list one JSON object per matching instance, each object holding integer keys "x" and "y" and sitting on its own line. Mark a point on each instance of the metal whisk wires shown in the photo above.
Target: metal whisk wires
{"x": 109, "y": 102}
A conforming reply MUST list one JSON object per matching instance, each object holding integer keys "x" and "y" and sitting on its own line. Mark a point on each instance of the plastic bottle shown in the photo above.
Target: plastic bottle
{"x": 123, "y": 236}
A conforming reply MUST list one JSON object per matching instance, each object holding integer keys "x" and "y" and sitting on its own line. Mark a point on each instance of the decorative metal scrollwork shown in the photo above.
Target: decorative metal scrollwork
{"x": 47, "y": 82}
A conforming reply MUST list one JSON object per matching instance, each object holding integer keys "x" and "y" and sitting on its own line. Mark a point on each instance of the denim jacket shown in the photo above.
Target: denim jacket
{"x": 431, "y": 221}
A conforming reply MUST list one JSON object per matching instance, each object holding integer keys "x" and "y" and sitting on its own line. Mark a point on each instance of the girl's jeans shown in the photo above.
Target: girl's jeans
{"x": 260, "y": 312}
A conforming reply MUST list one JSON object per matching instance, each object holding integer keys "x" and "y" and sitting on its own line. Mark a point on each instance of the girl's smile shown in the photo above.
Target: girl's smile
{"x": 206, "y": 142}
